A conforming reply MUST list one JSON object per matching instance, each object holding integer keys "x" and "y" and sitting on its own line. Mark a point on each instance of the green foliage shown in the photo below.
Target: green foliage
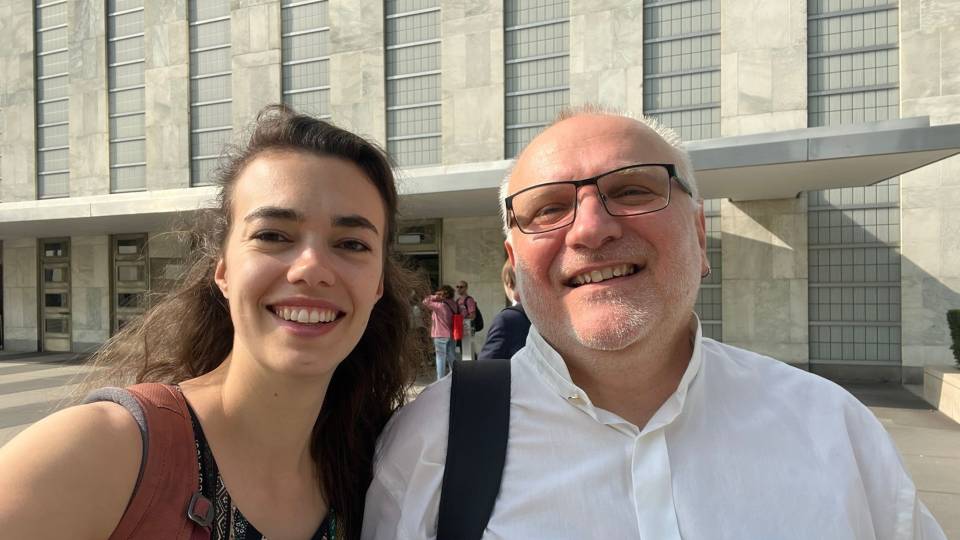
{"x": 953, "y": 320}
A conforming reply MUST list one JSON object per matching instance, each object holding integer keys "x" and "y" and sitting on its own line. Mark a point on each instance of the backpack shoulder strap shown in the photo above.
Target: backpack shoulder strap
{"x": 476, "y": 447}
{"x": 165, "y": 500}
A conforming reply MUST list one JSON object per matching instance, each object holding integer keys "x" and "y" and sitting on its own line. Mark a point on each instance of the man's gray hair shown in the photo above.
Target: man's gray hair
{"x": 681, "y": 157}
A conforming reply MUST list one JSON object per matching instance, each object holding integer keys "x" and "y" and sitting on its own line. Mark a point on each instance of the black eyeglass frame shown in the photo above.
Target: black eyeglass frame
{"x": 592, "y": 181}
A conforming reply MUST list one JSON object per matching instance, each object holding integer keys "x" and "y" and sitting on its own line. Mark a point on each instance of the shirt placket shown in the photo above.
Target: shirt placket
{"x": 653, "y": 487}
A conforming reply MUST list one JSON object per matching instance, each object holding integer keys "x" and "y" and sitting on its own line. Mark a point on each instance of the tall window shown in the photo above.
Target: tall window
{"x": 536, "y": 74}
{"x": 125, "y": 57}
{"x": 306, "y": 56}
{"x": 211, "y": 120}
{"x": 854, "y": 233}
{"x": 853, "y": 61}
{"x": 53, "y": 101}
{"x": 413, "y": 81}
{"x": 681, "y": 89}
{"x": 681, "y": 65}
{"x": 709, "y": 304}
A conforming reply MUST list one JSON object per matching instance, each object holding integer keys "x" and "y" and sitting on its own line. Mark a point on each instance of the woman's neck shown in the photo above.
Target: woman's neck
{"x": 253, "y": 415}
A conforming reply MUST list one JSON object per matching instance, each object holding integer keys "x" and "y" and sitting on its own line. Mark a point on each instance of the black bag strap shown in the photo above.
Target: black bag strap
{"x": 476, "y": 447}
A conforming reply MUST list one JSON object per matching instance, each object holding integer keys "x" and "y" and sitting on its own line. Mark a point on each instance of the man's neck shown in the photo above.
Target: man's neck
{"x": 635, "y": 382}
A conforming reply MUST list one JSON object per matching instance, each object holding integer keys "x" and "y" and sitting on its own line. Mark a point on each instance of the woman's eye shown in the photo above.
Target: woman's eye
{"x": 269, "y": 236}
{"x": 353, "y": 245}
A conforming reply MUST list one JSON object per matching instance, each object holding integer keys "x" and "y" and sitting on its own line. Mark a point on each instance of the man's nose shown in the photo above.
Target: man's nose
{"x": 312, "y": 266}
{"x": 593, "y": 226}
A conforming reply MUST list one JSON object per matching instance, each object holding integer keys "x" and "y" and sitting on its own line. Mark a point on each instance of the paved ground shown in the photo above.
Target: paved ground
{"x": 929, "y": 443}
{"x": 33, "y": 385}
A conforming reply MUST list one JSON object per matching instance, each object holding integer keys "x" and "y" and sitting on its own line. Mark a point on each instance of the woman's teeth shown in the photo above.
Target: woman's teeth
{"x": 305, "y": 315}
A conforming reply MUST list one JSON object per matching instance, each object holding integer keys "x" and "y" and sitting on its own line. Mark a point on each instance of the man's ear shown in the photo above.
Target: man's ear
{"x": 702, "y": 238}
{"x": 509, "y": 248}
{"x": 220, "y": 277}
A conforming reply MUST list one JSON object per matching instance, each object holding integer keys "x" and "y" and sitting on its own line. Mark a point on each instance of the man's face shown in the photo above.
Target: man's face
{"x": 462, "y": 288}
{"x": 660, "y": 255}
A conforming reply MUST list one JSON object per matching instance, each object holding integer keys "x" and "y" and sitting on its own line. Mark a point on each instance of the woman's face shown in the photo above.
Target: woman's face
{"x": 303, "y": 263}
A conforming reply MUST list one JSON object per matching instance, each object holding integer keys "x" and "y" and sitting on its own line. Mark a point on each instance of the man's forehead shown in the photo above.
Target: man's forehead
{"x": 585, "y": 146}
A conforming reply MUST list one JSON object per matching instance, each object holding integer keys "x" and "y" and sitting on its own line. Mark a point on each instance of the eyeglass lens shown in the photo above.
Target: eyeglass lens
{"x": 636, "y": 190}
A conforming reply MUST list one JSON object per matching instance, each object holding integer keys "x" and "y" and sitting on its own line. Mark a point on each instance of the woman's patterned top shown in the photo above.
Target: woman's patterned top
{"x": 228, "y": 521}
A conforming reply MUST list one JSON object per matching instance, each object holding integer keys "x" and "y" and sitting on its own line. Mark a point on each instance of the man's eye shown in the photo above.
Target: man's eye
{"x": 269, "y": 236}
{"x": 631, "y": 190}
{"x": 552, "y": 209}
{"x": 353, "y": 245}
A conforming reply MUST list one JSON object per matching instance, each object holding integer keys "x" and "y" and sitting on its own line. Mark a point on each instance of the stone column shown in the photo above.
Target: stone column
{"x": 89, "y": 127}
{"x": 89, "y": 291}
{"x": 358, "y": 92}
{"x": 167, "y": 76}
{"x": 606, "y": 53}
{"x": 765, "y": 277}
{"x": 471, "y": 81}
{"x": 255, "y": 45}
{"x": 763, "y": 59}
{"x": 20, "y": 286}
{"x": 929, "y": 197}
{"x": 18, "y": 135}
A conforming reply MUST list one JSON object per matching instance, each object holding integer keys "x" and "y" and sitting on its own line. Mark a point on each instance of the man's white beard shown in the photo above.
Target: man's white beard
{"x": 626, "y": 319}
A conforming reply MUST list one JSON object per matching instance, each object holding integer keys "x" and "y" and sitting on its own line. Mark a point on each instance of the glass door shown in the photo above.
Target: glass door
{"x": 55, "y": 294}
{"x": 130, "y": 278}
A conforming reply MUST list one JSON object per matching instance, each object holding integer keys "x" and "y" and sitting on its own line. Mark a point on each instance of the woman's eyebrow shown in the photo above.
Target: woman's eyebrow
{"x": 273, "y": 212}
{"x": 354, "y": 220}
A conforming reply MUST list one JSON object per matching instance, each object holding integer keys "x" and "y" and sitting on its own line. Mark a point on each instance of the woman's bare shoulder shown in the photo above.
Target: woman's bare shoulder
{"x": 82, "y": 461}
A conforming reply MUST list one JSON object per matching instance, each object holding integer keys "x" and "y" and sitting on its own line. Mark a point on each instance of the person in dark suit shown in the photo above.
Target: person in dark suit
{"x": 508, "y": 331}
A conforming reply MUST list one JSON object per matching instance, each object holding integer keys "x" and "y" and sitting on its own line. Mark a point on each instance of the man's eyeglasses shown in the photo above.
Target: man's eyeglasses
{"x": 627, "y": 191}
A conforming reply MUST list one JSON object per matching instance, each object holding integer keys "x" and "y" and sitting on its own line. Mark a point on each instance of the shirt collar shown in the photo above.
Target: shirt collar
{"x": 552, "y": 370}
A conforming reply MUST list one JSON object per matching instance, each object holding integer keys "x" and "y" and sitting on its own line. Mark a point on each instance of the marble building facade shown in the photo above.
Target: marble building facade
{"x": 453, "y": 89}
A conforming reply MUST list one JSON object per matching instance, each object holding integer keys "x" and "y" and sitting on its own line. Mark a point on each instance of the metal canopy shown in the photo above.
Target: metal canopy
{"x": 753, "y": 167}
{"x": 783, "y": 164}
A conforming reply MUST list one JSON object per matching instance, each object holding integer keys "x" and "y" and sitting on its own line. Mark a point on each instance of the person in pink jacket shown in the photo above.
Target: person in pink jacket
{"x": 442, "y": 308}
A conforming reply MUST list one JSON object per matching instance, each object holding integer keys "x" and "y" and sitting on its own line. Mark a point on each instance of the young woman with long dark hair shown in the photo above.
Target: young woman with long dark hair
{"x": 289, "y": 340}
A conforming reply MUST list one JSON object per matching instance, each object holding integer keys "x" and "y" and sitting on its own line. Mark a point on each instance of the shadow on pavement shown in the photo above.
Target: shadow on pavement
{"x": 887, "y": 395}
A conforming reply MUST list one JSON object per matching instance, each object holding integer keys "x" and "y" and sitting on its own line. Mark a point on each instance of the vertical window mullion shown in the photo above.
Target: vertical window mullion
{"x": 305, "y": 56}
{"x": 681, "y": 89}
{"x": 853, "y": 233}
{"x": 126, "y": 65}
{"x": 412, "y": 41}
{"x": 52, "y": 100}
{"x": 536, "y": 55}
{"x": 211, "y": 120}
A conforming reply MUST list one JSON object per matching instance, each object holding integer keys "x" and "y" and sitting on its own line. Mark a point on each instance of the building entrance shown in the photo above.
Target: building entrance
{"x": 427, "y": 264}
{"x": 55, "y": 294}
{"x": 419, "y": 243}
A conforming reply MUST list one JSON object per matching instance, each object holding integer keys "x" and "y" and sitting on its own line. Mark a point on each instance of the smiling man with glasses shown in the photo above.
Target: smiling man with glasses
{"x": 625, "y": 422}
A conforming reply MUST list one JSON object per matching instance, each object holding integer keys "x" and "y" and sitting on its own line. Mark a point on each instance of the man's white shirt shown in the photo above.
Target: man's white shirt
{"x": 746, "y": 448}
